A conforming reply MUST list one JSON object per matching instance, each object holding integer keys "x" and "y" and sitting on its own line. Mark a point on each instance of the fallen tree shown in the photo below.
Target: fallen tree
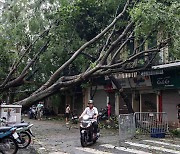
{"x": 113, "y": 57}
{"x": 101, "y": 66}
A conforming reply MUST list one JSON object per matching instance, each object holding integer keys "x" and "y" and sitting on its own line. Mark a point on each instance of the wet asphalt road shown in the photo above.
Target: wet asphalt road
{"x": 54, "y": 137}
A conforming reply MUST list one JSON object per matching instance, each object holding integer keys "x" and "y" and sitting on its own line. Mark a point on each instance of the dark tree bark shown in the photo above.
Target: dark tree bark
{"x": 123, "y": 95}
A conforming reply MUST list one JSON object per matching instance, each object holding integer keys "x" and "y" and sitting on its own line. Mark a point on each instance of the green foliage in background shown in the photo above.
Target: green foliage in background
{"x": 159, "y": 16}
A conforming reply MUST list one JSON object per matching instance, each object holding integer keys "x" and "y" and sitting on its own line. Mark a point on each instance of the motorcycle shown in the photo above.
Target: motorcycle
{"x": 24, "y": 132}
{"x": 32, "y": 114}
{"x": 8, "y": 140}
{"x": 74, "y": 118}
{"x": 103, "y": 115}
{"x": 86, "y": 131}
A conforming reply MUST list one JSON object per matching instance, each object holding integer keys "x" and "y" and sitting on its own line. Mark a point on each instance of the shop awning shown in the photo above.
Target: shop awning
{"x": 176, "y": 64}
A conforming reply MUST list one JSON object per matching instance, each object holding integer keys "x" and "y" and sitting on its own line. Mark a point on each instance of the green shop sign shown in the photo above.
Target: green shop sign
{"x": 169, "y": 80}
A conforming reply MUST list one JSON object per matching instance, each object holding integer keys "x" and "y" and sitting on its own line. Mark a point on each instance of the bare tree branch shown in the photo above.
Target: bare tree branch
{"x": 20, "y": 80}
{"x": 98, "y": 70}
{"x": 55, "y": 76}
{"x": 114, "y": 44}
{"x": 93, "y": 58}
{"x": 120, "y": 48}
{"x": 16, "y": 64}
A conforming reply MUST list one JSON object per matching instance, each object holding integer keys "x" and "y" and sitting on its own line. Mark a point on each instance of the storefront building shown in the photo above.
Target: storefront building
{"x": 157, "y": 90}
{"x": 140, "y": 93}
{"x": 167, "y": 86}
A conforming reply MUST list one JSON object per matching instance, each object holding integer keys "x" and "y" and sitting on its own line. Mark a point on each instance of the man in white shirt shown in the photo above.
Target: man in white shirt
{"x": 39, "y": 110}
{"x": 93, "y": 113}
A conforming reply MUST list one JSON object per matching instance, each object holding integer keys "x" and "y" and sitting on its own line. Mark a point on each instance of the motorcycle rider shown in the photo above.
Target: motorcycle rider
{"x": 92, "y": 112}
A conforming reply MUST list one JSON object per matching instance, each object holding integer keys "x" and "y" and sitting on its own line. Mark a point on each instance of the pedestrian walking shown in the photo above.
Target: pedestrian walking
{"x": 67, "y": 113}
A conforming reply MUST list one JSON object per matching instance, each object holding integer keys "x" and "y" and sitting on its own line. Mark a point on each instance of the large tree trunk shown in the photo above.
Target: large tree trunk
{"x": 123, "y": 95}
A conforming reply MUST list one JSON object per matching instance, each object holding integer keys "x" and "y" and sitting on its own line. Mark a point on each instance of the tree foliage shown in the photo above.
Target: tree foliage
{"x": 50, "y": 45}
{"x": 156, "y": 16}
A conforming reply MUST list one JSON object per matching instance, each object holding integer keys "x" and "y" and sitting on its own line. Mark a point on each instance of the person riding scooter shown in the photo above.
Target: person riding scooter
{"x": 92, "y": 112}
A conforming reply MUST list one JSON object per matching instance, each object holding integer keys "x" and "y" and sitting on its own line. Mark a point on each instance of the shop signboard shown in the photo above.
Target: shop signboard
{"x": 168, "y": 80}
{"x": 135, "y": 82}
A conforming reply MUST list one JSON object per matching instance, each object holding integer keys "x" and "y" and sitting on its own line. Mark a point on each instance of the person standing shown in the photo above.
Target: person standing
{"x": 39, "y": 110}
{"x": 109, "y": 110}
{"x": 67, "y": 113}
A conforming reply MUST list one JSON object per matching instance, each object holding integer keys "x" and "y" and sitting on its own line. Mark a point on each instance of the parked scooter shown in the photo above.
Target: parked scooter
{"x": 103, "y": 115}
{"x": 24, "y": 132}
{"x": 86, "y": 131}
{"x": 74, "y": 118}
{"x": 8, "y": 140}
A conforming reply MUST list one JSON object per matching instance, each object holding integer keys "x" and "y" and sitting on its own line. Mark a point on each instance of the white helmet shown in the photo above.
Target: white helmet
{"x": 90, "y": 102}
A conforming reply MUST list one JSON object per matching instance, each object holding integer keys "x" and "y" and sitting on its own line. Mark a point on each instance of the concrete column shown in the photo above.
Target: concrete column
{"x": 86, "y": 97}
{"x": 68, "y": 99}
{"x": 107, "y": 101}
{"x": 133, "y": 96}
{"x": 140, "y": 102}
{"x": 157, "y": 102}
{"x": 117, "y": 104}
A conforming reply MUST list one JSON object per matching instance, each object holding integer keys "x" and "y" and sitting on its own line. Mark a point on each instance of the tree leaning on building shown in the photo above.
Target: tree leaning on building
{"x": 47, "y": 43}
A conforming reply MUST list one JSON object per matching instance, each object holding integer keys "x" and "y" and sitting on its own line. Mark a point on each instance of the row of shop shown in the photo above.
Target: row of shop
{"x": 157, "y": 90}
{"x": 151, "y": 91}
